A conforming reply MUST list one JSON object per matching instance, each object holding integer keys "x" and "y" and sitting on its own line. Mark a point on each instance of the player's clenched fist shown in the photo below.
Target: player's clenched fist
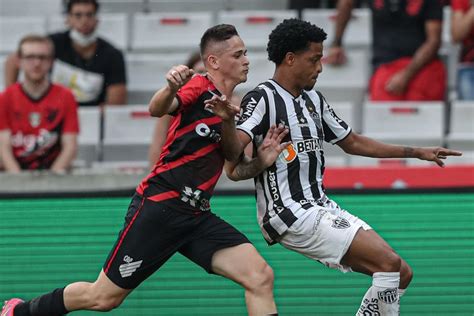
{"x": 178, "y": 76}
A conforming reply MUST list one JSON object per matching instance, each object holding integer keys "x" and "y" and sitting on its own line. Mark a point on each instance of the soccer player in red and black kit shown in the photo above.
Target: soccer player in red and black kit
{"x": 38, "y": 119}
{"x": 170, "y": 211}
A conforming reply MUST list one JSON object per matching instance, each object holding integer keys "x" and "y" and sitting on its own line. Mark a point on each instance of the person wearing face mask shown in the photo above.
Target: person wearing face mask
{"x": 90, "y": 66}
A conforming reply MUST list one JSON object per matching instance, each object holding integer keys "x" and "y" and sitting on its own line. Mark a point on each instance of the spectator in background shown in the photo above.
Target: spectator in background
{"x": 38, "y": 119}
{"x": 406, "y": 39}
{"x": 91, "y": 67}
{"x": 462, "y": 31}
{"x": 162, "y": 123}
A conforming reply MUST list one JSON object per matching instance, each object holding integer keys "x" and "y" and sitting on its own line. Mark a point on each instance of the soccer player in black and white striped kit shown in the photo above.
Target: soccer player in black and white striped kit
{"x": 293, "y": 209}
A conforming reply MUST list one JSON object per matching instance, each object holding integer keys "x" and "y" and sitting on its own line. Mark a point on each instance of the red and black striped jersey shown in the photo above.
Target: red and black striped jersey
{"x": 191, "y": 160}
{"x": 37, "y": 125}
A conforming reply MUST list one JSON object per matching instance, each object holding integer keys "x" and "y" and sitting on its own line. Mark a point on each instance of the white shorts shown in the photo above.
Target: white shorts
{"x": 323, "y": 233}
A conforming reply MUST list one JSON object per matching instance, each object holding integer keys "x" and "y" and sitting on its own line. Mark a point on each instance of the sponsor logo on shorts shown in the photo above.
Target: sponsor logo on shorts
{"x": 388, "y": 296}
{"x": 195, "y": 198}
{"x": 340, "y": 223}
{"x": 128, "y": 268}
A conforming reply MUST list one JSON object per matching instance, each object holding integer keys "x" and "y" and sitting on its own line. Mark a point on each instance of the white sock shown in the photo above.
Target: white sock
{"x": 382, "y": 297}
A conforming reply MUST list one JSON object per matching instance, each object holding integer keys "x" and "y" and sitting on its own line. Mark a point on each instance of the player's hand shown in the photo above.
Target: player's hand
{"x": 178, "y": 76}
{"x": 336, "y": 56}
{"x": 272, "y": 145}
{"x": 222, "y": 107}
{"x": 436, "y": 154}
{"x": 397, "y": 84}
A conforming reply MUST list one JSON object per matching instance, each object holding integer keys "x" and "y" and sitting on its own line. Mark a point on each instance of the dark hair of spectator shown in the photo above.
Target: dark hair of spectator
{"x": 292, "y": 35}
{"x": 34, "y": 38}
{"x": 218, "y": 33}
{"x": 193, "y": 59}
{"x": 71, "y": 3}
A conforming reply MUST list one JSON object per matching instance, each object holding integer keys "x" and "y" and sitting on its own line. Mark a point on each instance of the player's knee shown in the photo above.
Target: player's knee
{"x": 391, "y": 262}
{"x": 106, "y": 304}
{"x": 261, "y": 279}
{"x": 406, "y": 275}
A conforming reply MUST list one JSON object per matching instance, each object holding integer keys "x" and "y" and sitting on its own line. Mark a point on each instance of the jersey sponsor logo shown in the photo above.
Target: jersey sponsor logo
{"x": 388, "y": 296}
{"x": 291, "y": 151}
{"x": 128, "y": 268}
{"x": 195, "y": 199}
{"x": 247, "y": 110}
{"x": 273, "y": 185}
{"x": 31, "y": 143}
{"x": 204, "y": 131}
{"x": 34, "y": 119}
{"x": 340, "y": 223}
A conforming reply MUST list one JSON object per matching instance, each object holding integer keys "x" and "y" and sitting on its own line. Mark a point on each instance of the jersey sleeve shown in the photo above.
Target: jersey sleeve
{"x": 335, "y": 129}
{"x": 190, "y": 93}
{"x": 71, "y": 120}
{"x": 3, "y": 113}
{"x": 253, "y": 116}
{"x": 434, "y": 10}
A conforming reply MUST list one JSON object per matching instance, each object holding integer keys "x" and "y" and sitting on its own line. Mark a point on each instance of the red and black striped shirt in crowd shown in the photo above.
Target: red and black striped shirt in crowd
{"x": 191, "y": 160}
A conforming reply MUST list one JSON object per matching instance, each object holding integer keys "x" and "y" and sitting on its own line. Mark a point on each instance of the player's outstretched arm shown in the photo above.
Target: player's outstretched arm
{"x": 356, "y": 144}
{"x": 267, "y": 153}
{"x": 164, "y": 100}
{"x": 221, "y": 106}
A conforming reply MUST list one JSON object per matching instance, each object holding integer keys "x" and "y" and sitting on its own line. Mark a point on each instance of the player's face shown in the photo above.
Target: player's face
{"x": 308, "y": 65}
{"x": 233, "y": 61}
{"x": 83, "y": 18}
{"x": 36, "y": 60}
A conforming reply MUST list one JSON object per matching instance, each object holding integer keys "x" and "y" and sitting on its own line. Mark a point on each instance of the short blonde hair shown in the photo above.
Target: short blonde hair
{"x": 34, "y": 38}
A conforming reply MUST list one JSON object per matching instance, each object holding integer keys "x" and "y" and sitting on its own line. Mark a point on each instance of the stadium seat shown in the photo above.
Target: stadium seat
{"x": 13, "y": 28}
{"x": 255, "y": 26}
{"x": 461, "y": 131}
{"x": 185, "y": 5}
{"x": 410, "y": 123}
{"x": 112, "y": 27}
{"x": 347, "y": 82}
{"x": 146, "y": 74}
{"x": 169, "y": 31}
{"x": 358, "y": 32}
{"x": 30, "y": 8}
{"x": 127, "y": 133}
{"x": 89, "y": 136}
{"x": 122, "y": 6}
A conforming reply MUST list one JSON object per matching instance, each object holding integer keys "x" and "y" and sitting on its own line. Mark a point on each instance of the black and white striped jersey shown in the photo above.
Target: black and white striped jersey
{"x": 295, "y": 181}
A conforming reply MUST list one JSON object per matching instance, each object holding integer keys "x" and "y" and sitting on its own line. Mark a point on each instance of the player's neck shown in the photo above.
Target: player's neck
{"x": 224, "y": 86}
{"x": 286, "y": 81}
{"x": 35, "y": 89}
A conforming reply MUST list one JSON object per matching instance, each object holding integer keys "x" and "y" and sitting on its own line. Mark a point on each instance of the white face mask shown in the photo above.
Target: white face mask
{"x": 81, "y": 39}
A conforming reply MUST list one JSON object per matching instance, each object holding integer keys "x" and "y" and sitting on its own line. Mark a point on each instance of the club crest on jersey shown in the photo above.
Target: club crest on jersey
{"x": 291, "y": 151}
{"x": 388, "y": 296}
{"x": 340, "y": 223}
{"x": 35, "y": 119}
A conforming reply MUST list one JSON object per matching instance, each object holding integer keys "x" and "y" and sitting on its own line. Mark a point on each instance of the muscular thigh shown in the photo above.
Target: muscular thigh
{"x": 151, "y": 234}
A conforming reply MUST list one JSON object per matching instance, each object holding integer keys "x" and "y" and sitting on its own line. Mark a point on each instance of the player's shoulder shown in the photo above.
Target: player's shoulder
{"x": 60, "y": 90}
{"x": 12, "y": 90}
{"x": 256, "y": 93}
{"x": 107, "y": 47}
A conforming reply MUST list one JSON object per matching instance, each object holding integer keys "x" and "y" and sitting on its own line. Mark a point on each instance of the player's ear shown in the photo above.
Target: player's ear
{"x": 213, "y": 61}
{"x": 289, "y": 58}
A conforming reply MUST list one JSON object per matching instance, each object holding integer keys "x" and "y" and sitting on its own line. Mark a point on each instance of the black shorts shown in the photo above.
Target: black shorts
{"x": 152, "y": 233}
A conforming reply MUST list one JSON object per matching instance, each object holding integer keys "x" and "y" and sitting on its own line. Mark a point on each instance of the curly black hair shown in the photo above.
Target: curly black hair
{"x": 292, "y": 35}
